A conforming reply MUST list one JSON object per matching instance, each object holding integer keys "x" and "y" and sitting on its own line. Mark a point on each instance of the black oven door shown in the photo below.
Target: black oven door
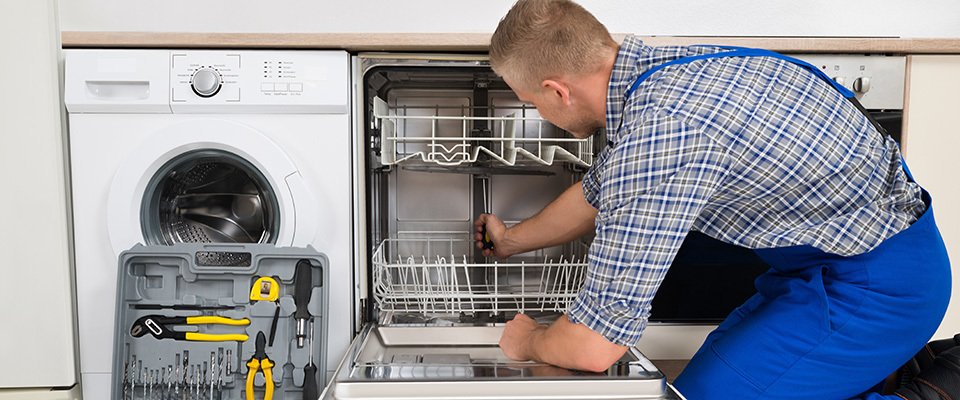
{"x": 708, "y": 280}
{"x": 891, "y": 120}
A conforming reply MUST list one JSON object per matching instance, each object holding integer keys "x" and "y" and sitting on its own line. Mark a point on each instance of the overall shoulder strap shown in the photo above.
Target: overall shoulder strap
{"x": 742, "y": 52}
{"x": 733, "y": 51}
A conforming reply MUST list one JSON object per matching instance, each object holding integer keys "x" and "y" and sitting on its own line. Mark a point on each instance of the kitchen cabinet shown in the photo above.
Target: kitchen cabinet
{"x": 38, "y": 339}
{"x": 931, "y": 145}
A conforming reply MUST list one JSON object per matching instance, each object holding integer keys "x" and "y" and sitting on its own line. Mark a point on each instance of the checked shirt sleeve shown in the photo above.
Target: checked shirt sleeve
{"x": 591, "y": 179}
{"x": 652, "y": 187}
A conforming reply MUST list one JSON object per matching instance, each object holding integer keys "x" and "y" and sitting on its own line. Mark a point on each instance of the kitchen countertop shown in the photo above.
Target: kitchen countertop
{"x": 477, "y": 42}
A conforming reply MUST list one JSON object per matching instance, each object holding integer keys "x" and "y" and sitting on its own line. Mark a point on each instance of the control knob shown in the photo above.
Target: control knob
{"x": 861, "y": 84}
{"x": 206, "y": 82}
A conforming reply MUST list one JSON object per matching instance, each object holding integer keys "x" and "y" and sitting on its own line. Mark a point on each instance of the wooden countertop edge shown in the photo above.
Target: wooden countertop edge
{"x": 477, "y": 42}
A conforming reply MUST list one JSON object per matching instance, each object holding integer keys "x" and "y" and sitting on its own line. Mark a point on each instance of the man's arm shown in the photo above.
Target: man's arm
{"x": 659, "y": 180}
{"x": 566, "y": 218}
{"x": 582, "y": 348}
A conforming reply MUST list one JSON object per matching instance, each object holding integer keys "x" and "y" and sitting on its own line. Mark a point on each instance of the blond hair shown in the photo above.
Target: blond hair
{"x": 542, "y": 38}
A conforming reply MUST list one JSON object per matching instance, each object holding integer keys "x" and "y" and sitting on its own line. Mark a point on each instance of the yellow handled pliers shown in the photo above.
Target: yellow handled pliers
{"x": 260, "y": 362}
{"x": 159, "y": 327}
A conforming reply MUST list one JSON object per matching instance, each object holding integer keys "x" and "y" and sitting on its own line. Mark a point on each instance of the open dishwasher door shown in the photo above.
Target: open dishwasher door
{"x": 440, "y": 317}
{"x": 459, "y": 362}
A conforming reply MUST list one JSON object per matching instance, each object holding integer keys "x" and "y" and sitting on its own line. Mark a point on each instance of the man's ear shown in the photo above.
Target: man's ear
{"x": 557, "y": 89}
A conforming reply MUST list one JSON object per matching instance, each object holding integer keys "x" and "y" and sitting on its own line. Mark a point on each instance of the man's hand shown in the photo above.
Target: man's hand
{"x": 517, "y": 337}
{"x": 564, "y": 344}
{"x": 563, "y": 220}
{"x": 497, "y": 232}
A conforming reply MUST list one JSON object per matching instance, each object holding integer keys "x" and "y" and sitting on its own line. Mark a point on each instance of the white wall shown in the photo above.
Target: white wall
{"x": 932, "y": 18}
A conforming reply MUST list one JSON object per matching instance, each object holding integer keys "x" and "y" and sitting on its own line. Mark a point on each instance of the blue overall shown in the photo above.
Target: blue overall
{"x": 823, "y": 326}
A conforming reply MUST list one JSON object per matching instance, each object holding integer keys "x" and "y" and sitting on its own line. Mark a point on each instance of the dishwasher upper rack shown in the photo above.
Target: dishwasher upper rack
{"x": 435, "y": 276}
{"x": 455, "y": 147}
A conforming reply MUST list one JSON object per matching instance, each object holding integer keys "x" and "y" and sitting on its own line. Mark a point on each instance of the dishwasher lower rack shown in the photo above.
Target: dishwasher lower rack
{"x": 466, "y": 363}
{"x": 434, "y": 277}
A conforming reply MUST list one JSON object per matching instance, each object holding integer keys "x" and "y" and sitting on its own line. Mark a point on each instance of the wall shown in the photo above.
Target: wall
{"x": 933, "y": 18}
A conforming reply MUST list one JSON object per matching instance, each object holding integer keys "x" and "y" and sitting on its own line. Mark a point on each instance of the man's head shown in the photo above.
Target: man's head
{"x": 558, "y": 56}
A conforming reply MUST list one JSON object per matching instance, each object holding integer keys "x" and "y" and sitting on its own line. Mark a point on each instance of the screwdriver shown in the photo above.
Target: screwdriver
{"x": 487, "y": 243}
{"x": 310, "y": 373}
{"x": 303, "y": 286}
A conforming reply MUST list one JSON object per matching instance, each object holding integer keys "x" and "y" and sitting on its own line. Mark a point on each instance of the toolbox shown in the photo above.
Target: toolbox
{"x": 220, "y": 321}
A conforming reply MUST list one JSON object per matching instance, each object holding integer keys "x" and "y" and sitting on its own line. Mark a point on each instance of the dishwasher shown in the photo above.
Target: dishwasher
{"x": 440, "y": 139}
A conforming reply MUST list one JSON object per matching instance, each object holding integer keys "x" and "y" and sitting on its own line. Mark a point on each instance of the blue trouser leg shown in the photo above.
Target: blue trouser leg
{"x": 824, "y": 326}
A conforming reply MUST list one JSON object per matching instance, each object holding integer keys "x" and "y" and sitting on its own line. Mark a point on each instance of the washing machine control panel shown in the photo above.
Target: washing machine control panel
{"x": 204, "y": 75}
{"x": 275, "y": 81}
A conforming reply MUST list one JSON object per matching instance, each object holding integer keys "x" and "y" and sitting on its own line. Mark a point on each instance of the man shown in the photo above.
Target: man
{"x": 753, "y": 150}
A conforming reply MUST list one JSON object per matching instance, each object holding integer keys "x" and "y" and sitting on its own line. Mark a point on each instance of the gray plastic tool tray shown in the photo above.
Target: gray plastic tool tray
{"x": 194, "y": 275}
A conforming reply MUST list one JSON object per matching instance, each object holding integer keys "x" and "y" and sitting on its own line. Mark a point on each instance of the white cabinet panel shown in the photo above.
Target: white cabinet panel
{"x": 931, "y": 148}
{"x": 38, "y": 325}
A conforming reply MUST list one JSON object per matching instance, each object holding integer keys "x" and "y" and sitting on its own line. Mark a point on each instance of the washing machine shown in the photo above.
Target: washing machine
{"x": 171, "y": 146}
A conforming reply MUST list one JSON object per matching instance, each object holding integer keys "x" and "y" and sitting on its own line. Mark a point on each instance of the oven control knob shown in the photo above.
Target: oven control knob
{"x": 861, "y": 84}
{"x": 841, "y": 80}
{"x": 206, "y": 82}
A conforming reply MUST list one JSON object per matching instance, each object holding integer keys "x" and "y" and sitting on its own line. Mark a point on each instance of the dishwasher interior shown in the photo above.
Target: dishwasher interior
{"x": 447, "y": 144}
{"x": 444, "y": 140}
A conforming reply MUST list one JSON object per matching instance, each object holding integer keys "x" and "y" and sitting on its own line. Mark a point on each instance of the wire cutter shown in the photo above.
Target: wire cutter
{"x": 158, "y": 326}
{"x": 260, "y": 362}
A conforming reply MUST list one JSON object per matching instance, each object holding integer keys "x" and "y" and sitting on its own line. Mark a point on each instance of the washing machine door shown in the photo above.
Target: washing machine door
{"x": 209, "y": 180}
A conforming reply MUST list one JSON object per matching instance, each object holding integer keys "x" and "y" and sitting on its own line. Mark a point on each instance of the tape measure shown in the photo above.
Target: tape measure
{"x": 265, "y": 288}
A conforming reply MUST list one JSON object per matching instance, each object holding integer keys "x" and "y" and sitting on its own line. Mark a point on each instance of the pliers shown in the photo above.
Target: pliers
{"x": 157, "y": 325}
{"x": 260, "y": 362}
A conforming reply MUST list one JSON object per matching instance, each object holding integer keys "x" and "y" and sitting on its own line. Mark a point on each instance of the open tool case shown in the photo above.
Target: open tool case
{"x": 212, "y": 286}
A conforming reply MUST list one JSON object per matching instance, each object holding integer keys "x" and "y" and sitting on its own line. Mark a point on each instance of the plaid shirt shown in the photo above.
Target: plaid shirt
{"x": 753, "y": 151}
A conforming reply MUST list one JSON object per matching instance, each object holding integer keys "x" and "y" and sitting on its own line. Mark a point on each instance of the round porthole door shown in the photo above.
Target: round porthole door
{"x": 208, "y": 181}
{"x": 209, "y": 196}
